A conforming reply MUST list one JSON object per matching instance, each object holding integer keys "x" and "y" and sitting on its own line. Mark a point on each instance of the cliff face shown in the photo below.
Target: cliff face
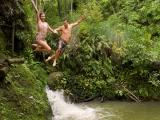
{"x": 22, "y": 92}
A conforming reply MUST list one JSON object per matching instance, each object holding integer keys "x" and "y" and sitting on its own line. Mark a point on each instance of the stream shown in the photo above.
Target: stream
{"x": 110, "y": 110}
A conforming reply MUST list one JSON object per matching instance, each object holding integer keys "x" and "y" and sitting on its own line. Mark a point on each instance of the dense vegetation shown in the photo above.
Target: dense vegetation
{"x": 115, "y": 50}
{"x": 113, "y": 54}
{"x": 22, "y": 92}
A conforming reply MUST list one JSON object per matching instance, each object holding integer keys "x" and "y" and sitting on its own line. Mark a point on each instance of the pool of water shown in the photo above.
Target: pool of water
{"x": 62, "y": 109}
{"x": 126, "y": 110}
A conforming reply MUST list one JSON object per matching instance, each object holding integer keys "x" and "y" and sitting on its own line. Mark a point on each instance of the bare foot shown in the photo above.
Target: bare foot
{"x": 54, "y": 63}
{"x": 34, "y": 46}
{"x": 48, "y": 59}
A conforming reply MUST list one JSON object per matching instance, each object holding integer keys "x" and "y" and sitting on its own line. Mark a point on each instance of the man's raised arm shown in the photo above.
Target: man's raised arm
{"x": 78, "y": 21}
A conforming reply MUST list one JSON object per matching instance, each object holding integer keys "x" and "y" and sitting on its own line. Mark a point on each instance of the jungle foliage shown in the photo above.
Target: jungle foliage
{"x": 116, "y": 47}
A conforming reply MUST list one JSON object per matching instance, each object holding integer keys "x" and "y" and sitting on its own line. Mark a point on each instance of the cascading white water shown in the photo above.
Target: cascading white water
{"x": 63, "y": 110}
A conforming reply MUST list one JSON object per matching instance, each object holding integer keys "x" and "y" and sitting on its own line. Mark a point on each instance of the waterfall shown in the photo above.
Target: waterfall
{"x": 63, "y": 110}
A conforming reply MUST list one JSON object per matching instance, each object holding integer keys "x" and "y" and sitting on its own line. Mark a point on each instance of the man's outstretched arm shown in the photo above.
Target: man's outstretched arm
{"x": 78, "y": 21}
{"x": 58, "y": 29}
{"x": 51, "y": 30}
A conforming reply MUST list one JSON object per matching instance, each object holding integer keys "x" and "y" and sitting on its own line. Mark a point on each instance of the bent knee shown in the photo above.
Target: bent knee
{"x": 49, "y": 49}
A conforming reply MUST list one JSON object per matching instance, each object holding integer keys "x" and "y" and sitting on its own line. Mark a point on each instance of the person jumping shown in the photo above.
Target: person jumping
{"x": 65, "y": 36}
{"x": 43, "y": 28}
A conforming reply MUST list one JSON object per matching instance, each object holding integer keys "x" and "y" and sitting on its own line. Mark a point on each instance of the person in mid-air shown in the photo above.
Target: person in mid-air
{"x": 65, "y": 36}
{"x": 43, "y": 28}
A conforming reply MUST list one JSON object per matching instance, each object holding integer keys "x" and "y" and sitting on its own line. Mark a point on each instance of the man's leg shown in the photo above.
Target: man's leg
{"x": 59, "y": 51}
{"x": 55, "y": 56}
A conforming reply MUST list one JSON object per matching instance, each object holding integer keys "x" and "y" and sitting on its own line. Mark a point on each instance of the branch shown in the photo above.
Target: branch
{"x": 16, "y": 60}
{"x": 133, "y": 97}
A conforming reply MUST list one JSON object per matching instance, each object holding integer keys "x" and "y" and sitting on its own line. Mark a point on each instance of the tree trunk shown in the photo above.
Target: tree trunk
{"x": 71, "y": 7}
{"x": 13, "y": 32}
{"x": 16, "y": 60}
{"x": 59, "y": 8}
{"x": 7, "y": 62}
{"x": 65, "y": 7}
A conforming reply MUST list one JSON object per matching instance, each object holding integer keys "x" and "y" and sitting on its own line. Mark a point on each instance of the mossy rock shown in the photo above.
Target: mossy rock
{"x": 55, "y": 76}
{"x": 54, "y": 79}
{"x": 22, "y": 95}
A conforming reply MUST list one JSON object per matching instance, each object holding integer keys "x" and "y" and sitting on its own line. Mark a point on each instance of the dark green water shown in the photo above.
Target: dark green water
{"x": 127, "y": 110}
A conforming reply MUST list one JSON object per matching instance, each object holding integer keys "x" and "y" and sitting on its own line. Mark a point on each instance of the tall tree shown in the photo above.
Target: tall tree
{"x": 59, "y": 8}
{"x": 13, "y": 34}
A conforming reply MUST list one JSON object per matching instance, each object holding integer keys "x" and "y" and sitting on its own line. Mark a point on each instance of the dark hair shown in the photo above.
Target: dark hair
{"x": 65, "y": 18}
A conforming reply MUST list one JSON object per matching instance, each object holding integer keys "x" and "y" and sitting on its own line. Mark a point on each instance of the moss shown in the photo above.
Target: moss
{"x": 22, "y": 95}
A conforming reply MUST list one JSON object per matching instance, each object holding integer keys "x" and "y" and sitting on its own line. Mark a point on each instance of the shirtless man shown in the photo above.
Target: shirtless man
{"x": 43, "y": 28}
{"x": 65, "y": 36}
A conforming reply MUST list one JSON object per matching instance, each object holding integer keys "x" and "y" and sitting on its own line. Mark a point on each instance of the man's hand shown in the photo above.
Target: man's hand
{"x": 55, "y": 31}
{"x": 83, "y": 17}
{"x": 78, "y": 21}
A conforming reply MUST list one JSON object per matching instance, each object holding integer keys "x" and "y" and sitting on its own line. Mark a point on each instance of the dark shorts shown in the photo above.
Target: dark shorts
{"x": 61, "y": 45}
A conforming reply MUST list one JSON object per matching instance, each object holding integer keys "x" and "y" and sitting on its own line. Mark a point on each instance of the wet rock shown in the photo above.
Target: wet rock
{"x": 54, "y": 79}
{"x": 56, "y": 76}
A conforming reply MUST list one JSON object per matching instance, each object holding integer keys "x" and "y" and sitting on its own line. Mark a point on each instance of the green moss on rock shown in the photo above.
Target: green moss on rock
{"x": 22, "y": 94}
